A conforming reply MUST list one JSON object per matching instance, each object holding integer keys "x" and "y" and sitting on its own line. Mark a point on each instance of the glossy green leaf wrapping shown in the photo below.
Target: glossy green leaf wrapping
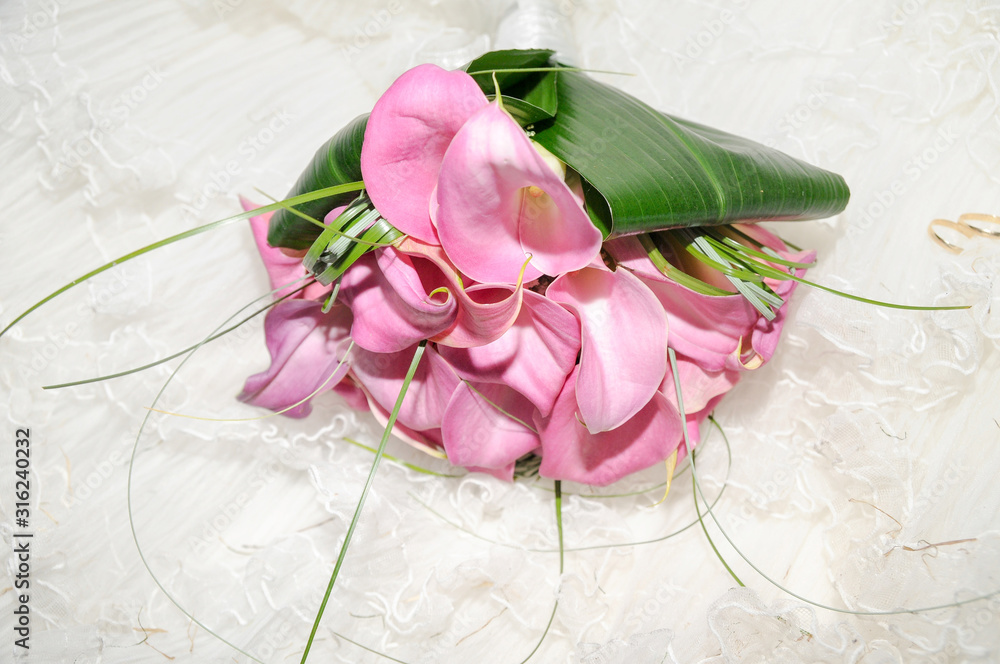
{"x": 337, "y": 162}
{"x": 649, "y": 171}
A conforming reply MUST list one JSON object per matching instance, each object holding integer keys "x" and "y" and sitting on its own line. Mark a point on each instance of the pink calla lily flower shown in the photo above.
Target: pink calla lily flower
{"x": 533, "y": 357}
{"x": 382, "y": 375}
{"x": 391, "y": 294}
{"x": 571, "y": 452}
{"x": 618, "y": 374}
{"x": 500, "y": 203}
{"x": 408, "y": 132}
{"x": 485, "y": 311}
{"x": 403, "y": 294}
{"x": 306, "y": 347}
{"x": 488, "y": 426}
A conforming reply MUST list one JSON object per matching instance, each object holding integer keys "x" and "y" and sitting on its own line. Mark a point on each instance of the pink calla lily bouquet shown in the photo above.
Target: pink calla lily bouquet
{"x": 507, "y": 224}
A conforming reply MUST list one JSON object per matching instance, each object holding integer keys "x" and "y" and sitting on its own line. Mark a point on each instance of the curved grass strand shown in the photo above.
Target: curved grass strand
{"x": 128, "y": 495}
{"x": 711, "y": 512}
{"x": 371, "y": 650}
{"x": 364, "y": 494}
{"x": 672, "y": 356}
{"x": 555, "y": 605}
{"x": 398, "y": 461}
{"x": 768, "y": 271}
{"x": 189, "y": 349}
{"x": 295, "y": 200}
{"x": 313, "y": 220}
{"x": 298, "y": 403}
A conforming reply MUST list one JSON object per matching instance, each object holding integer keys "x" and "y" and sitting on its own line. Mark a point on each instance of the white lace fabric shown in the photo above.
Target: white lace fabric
{"x": 864, "y": 456}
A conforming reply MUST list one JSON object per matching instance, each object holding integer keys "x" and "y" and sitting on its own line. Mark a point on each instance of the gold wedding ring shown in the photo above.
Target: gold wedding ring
{"x": 989, "y": 228}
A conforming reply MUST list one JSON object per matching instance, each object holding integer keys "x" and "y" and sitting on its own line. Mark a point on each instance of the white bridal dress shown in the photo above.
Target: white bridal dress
{"x": 864, "y": 458}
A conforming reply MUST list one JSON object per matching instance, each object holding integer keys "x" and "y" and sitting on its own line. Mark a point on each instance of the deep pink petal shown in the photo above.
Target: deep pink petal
{"x": 570, "y": 452}
{"x": 488, "y": 426}
{"x": 534, "y": 356}
{"x": 499, "y": 202}
{"x": 382, "y": 374}
{"x": 624, "y": 343}
{"x": 408, "y": 132}
{"x": 485, "y": 311}
{"x": 306, "y": 346}
{"x": 282, "y": 270}
{"x": 390, "y": 294}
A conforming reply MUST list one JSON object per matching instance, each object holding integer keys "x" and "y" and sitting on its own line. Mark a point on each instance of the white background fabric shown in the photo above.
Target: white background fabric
{"x": 123, "y": 123}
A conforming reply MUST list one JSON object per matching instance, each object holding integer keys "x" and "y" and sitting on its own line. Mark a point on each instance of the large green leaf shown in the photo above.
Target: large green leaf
{"x": 529, "y": 96}
{"x": 650, "y": 171}
{"x": 514, "y": 59}
{"x": 337, "y": 162}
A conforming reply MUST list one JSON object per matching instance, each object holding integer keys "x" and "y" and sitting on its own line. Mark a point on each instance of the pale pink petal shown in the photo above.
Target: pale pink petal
{"x": 489, "y": 221}
{"x": 571, "y": 452}
{"x": 624, "y": 343}
{"x": 306, "y": 347}
{"x": 534, "y": 356}
{"x": 382, "y": 374}
{"x": 488, "y": 426}
{"x": 407, "y": 135}
{"x": 391, "y": 295}
{"x": 485, "y": 311}
{"x": 282, "y": 270}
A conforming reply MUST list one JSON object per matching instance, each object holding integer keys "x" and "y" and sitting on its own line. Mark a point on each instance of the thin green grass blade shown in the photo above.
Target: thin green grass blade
{"x": 767, "y": 271}
{"x": 674, "y": 274}
{"x": 364, "y": 495}
{"x": 320, "y": 224}
{"x": 128, "y": 496}
{"x": 687, "y": 445}
{"x": 771, "y": 257}
{"x": 555, "y": 605}
{"x": 371, "y": 650}
{"x": 189, "y": 349}
{"x": 711, "y": 512}
{"x": 503, "y": 412}
{"x": 304, "y": 198}
{"x": 762, "y": 271}
{"x": 398, "y": 461}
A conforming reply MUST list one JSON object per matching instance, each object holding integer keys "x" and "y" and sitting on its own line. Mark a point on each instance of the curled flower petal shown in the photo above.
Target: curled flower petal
{"x": 485, "y": 311}
{"x": 391, "y": 295}
{"x": 382, "y": 376}
{"x": 624, "y": 343}
{"x": 407, "y": 135}
{"x": 283, "y": 270}
{"x": 487, "y": 426}
{"x": 534, "y": 356}
{"x": 571, "y": 452}
{"x": 306, "y": 346}
{"x": 498, "y": 202}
